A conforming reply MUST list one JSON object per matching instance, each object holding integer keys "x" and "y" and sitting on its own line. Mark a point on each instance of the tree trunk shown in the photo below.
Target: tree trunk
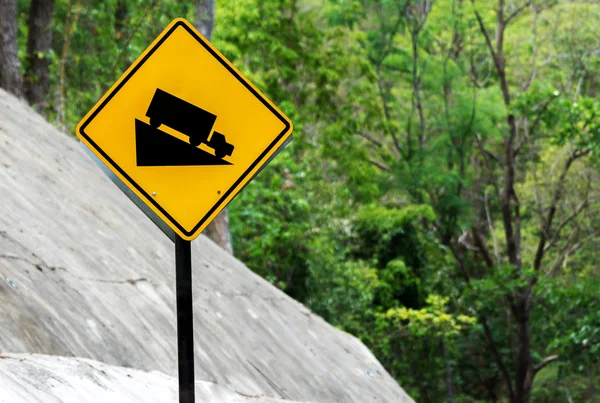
{"x": 38, "y": 44}
{"x": 524, "y": 368}
{"x": 120, "y": 19}
{"x": 447, "y": 372}
{"x": 218, "y": 229}
{"x": 511, "y": 218}
{"x": 205, "y": 17}
{"x": 74, "y": 10}
{"x": 10, "y": 67}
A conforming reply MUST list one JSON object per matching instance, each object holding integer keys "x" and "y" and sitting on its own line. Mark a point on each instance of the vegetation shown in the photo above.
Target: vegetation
{"x": 439, "y": 198}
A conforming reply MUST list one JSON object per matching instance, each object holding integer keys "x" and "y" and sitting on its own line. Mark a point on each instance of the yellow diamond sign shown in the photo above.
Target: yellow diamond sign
{"x": 184, "y": 129}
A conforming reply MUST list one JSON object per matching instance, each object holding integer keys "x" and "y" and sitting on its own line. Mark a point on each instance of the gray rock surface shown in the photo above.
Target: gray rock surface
{"x": 53, "y": 379}
{"x": 84, "y": 273}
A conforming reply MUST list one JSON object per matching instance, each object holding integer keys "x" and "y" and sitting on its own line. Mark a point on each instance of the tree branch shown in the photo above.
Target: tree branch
{"x": 488, "y": 41}
{"x": 488, "y": 333}
{"x": 569, "y": 252}
{"x": 569, "y": 218}
{"x": 534, "y": 125}
{"x": 491, "y": 226}
{"x": 493, "y": 156}
{"x": 554, "y": 205}
{"x": 498, "y": 358}
{"x": 538, "y": 118}
{"x": 515, "y": 13}
{"x": 482, "y": 247}
{"x": 380, "y": 165}
{"x": 386, "y": 112}
{"x": 545, "y": 362}
{"x": 457, "y": 253}
{"x": 130, "y": 37}
{"x": 536, "y": 192}
{"x": 387, "y": 50}
{"x": 462, "y": 239}
{"x": 488, "y": 152}
{"x": 369, "y": 137}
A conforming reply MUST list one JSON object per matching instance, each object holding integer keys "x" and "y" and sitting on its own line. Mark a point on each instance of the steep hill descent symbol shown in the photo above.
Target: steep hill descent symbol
{"x": 157, "y": 148}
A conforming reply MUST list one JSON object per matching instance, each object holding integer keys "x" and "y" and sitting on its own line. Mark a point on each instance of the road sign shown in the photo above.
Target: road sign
{"x": 184, "y": 129}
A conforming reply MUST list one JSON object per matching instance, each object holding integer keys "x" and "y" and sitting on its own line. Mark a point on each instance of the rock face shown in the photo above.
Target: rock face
{"x": 52, "y": 379}
{"x": 84, "y": 273}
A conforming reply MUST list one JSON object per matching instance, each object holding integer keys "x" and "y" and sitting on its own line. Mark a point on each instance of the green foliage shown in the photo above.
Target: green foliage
{"x": 576, "y": 303}
{"x": 580, "y": 123}
{"x": 277, "y": 229}
{"x": 382, "y": 212}
{"x": 431, "y": 321}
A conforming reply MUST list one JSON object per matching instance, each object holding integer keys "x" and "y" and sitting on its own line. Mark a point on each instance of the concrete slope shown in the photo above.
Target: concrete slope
{"x": 84, "y": 273}
{"x": 26, "y": 378}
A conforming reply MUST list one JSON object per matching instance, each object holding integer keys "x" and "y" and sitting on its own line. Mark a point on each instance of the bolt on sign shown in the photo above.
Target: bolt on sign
{"x": 184, "y": 129}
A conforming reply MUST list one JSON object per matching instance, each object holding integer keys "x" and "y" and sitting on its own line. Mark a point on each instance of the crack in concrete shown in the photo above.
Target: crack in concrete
{"x": 100, "y": 280}
{"x": 282, "y": 394}
{"x": 41, "y": 266}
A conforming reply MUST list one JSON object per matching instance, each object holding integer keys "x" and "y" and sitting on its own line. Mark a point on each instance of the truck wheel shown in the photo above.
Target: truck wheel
{"x": 195, "y": 140}
{"x": 220, "y": 153}
{"x": 154, "y": 123}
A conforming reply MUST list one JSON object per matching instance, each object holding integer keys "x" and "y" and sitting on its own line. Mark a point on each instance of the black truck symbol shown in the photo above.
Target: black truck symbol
{"x": 187, "y": 119}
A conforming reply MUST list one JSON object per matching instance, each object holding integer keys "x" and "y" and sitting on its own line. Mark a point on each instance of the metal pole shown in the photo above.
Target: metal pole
{"x": 185, "y": 320}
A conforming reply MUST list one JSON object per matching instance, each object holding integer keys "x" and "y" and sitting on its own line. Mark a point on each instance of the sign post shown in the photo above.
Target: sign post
{"x": 181, "y": 133}
{"x": 185, "y": 319}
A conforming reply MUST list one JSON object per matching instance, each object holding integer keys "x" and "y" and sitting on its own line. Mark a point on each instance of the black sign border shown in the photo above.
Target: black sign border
{"x": 236, "y": 75}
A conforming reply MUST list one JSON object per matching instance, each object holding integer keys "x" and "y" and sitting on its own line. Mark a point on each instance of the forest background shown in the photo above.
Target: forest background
{"x": 440, "y": 197}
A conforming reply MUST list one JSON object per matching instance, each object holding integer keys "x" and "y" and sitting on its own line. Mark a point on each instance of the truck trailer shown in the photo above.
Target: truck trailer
{"x": 188, "y": 119}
